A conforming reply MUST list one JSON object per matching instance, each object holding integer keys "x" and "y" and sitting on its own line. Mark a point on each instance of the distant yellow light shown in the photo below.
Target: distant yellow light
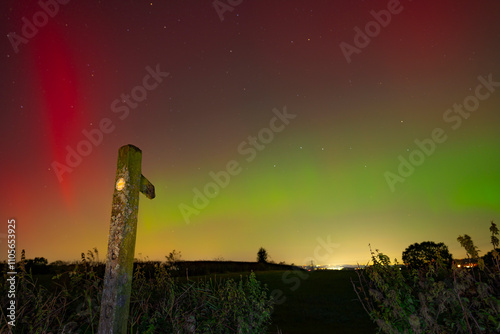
{"x": 120, "y": 184}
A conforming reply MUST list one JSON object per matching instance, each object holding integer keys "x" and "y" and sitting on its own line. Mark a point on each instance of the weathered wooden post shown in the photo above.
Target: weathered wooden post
{"x": 129, "y": 182}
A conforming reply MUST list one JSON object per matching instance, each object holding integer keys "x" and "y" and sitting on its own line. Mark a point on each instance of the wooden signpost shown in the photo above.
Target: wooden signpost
{"x": 121, "y": 245}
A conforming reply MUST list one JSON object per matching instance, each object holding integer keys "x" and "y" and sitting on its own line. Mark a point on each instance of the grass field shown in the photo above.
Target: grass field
{"x": 324, "y": 302}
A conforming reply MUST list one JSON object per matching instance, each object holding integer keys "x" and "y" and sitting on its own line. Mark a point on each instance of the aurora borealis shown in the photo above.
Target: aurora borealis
{"x": 212, "y": 123}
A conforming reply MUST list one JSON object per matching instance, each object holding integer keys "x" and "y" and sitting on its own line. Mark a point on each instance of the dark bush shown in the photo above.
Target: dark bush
{"x": 433, "y": 298}
{"x": 422, "y": 254}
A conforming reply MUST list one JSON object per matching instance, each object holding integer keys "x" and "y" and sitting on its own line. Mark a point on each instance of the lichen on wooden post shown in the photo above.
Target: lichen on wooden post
{"x": 129, "y": 182}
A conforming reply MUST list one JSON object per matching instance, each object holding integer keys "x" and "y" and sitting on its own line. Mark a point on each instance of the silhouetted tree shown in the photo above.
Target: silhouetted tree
{"x": 58, "y": 263}
{"x": 491, "y": 259}
{"x": 467, "y": 243}
{"x": 494, "y": 232}
{"x": 38, "y": 265}
{"x": 420, "y": 254}
{"x": 173, "y": 259}
{"x": 40, "y": 261}
{"x": 262, "y": 255}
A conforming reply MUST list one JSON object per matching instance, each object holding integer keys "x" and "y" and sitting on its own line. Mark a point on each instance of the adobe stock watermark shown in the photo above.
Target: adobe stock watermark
{"x": 248, "y": 149}
{"x": 322, "y": 252}
{"x": 222, "y": 6}
{"x": 120, "y": 106}
{"x": 11, "y": 273}
{"x": 48, "y": 8}
{"x": 427, "y": 146}
{"x": 372, "y": 29}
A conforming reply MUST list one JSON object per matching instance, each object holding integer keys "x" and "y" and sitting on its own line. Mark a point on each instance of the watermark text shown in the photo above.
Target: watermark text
{"x": 11, "y": 272}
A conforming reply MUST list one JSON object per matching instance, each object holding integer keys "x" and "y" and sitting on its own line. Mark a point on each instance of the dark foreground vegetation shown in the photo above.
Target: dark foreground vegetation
{"x": 159, "y": 303}
{"x": 227, "y": 297}
{"x": 434, "y": 295}
{"x": 430, "y": 293}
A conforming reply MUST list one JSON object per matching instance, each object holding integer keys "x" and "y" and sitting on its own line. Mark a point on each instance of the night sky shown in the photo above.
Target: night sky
{"x": 343, "y": 123}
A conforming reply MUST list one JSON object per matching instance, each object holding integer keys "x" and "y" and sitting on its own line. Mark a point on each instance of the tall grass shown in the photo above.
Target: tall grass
{"x": 159, "y": 303}
{"x": 435, "y": 298}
